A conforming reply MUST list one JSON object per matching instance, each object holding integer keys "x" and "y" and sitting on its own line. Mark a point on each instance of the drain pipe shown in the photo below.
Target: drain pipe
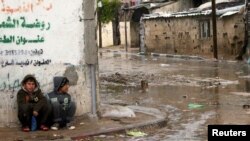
{"x": 90, "y": 58}
{"x": 93, "y": 89}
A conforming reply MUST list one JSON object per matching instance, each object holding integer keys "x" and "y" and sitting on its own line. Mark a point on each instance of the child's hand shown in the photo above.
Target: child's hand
{"x": 35, "y": 113}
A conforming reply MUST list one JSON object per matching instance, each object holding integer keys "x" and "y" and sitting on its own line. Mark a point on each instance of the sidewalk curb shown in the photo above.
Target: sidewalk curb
{"x": 162, "y": 121}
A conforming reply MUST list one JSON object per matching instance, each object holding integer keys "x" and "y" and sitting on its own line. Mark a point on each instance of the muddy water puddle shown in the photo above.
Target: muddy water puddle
{"x": 193, "y": 93}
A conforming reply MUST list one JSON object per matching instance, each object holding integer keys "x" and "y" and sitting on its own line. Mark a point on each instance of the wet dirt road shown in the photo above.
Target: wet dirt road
{"x": 193, "y": 93}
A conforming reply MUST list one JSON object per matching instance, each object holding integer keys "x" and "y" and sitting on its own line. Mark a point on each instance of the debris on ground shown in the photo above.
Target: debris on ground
{"x": 144, "y": 85}
{"x": 246, "y": 106}
{"x": 136, "y": 133}
{"x": 194, "y": 106}
{"x": 241, "y": 93}
{"x": 116, "y": 111}
{"x": 164, "y": 65}
{"x": 134, "y": 80}
{"x": 184, "y": 96}
{"x": 115, "y": 78}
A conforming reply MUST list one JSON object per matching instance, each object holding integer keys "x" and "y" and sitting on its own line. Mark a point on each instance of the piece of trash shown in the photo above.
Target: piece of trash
{"x": 184, "y": 96}
{"x": 82, "y": 123}
{"x": 71, "y": 127}
{"x": 141, "y": 53}
{"x": 56, "y": 136}
{"x": 136, "y": 133}
{"x": 102, "y": 136}
{"x": 213, "y": 103}
{"x": 164, "y": 65}
{"x": 144, "y": 85}
{"x": 246, "y": 106}
{"x": 116, "y": 111}
{"x": 194, "y": 106}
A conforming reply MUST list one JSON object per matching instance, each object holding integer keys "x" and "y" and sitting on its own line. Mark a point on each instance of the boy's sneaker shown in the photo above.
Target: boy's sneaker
{"x": 26, "y": 129}
{"x": 55, "y": 126}
{"x": 70, "y": 126}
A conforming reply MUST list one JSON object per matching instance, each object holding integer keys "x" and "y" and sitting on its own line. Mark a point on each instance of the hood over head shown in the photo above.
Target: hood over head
{"x": 30, "y": 77}
{"x": 60, "y": 81}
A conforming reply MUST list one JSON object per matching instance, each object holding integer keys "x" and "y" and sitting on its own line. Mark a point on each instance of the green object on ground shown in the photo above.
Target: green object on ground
{"x": 136, "y": 133}
{"x": 194, "y": 106}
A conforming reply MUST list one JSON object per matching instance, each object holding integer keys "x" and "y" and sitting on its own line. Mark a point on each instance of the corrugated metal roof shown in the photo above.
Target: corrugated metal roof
{"x": 229, "y": 13}
{"x": 209, "y": 4}
{"x": 150, "y": 5}
{"x": 231, "y": 10}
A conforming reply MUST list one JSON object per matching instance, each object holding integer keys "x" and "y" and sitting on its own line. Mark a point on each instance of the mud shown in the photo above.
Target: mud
{"x": 221, "y": 87}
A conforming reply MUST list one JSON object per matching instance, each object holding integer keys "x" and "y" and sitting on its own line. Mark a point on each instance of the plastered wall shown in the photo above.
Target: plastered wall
{"x": 182, "y": 36}
{"x": 44, "y": 38}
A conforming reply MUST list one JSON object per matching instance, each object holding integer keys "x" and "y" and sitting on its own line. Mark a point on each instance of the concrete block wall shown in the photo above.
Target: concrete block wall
{"x": 122, "y": 31}
{"x": 107, "y": 35}
{"x": 182, "y": 36}
{"x": 232, "y": 37}
{"x": 134, "y": 32}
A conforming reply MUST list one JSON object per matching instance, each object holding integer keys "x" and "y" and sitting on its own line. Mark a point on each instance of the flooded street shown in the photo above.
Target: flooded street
{"x": 193, "y": 93}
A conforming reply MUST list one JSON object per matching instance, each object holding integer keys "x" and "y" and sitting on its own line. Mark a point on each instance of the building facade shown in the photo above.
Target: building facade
{"x": 191, "y": 33}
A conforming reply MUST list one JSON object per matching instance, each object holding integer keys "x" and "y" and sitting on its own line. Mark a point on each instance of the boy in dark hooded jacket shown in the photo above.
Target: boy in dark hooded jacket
{"x": 63, "y": 108}
{"x": 31, "y": 102}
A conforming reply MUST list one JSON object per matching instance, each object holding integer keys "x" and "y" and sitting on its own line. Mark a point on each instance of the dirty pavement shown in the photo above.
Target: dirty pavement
{"x": 158, "y": 98}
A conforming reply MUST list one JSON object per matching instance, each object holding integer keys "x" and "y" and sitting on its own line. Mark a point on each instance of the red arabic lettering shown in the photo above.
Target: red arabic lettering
{"x": 25, "y": 7}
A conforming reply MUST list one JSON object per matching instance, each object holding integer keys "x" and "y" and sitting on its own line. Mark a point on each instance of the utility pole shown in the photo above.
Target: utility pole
{"x": 126, "y": 39}
{"x": 125, "y": 20}
{"x": 246, "y": 14}
{"x": 100, "y": 23}
{"x": 91, "y": 53}
{"x": 214, "y": 29}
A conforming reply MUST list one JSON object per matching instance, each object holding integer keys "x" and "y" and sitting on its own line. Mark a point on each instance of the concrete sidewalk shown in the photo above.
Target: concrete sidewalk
{"x": 87, "y": 127}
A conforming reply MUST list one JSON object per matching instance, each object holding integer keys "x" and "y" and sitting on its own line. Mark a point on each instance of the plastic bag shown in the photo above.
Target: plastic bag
{"x": 194, "y": 106}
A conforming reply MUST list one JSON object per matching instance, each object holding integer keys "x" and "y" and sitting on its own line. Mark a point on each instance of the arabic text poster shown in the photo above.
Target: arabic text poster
{"x": 45, "y": 31}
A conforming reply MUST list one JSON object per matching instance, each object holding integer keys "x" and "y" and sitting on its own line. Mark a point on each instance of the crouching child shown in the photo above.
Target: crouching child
{"x": 32, "y": 102}
{"x": 63, "y": 108}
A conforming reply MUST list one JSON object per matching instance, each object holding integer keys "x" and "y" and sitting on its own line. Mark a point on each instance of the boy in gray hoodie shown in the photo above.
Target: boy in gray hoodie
{"x": 63, "y": 108}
